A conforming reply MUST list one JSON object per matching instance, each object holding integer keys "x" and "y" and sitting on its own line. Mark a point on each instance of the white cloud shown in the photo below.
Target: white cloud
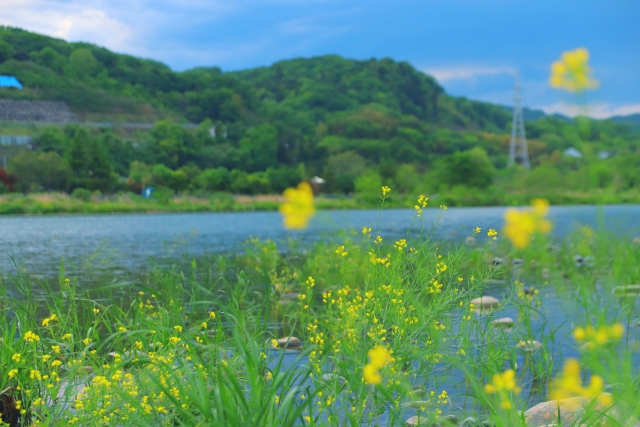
{"x": 596, "y": 111}
{"x": 69, "y": 21}
{"x": 470, "y": 72}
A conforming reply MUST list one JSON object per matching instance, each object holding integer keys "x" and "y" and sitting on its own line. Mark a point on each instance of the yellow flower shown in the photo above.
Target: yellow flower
{"x": 49, "y": 319}
{"x": 31, "y": 337}
{"x": 522, "y": 225}
{"x": 371, "y": 375}
{"x": 572, "y": 72}
{"x": 86, "y": 341}
{"x": 96, "y": 310}
{"x": 477, "y": 230}
{"x": 298, "y": 206}
{"x": 16, "y": 357}
{"x": 66, "y": 336}
{"x": 569, "y": 384}
{"x": 379, "y": 356}
{"x": 385, "y": 191}
{"x": 602, "y": 335}
{"x": 56, "y": 349}
{"x": 13, "y": 373}
{"x": 492, "y": 233}
{"x": 504, "y": 385}
{"x": 212, "y": 314}
{"x": 178, "y": 328}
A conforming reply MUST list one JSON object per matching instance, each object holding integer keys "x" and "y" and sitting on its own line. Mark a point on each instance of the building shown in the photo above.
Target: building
{"x": 10, "y": 81}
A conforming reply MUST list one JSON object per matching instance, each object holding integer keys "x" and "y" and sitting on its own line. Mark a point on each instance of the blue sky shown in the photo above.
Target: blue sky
{"x": 472, "y": 47}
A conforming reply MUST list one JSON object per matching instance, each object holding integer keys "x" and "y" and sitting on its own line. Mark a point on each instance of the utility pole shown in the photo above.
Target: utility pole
{"x": 518, "y": 152}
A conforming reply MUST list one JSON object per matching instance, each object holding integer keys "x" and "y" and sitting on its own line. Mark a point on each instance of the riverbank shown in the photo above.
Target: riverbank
{"x": 61, "y": 203}
{"x": 361, "y": 331}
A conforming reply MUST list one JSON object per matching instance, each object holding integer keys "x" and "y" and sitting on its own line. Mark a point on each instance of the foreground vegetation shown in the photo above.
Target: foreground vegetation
{"x": 387, "y": 331}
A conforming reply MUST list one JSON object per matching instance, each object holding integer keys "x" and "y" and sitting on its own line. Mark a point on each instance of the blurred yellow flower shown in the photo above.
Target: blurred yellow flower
{"x": 572, "y": 72}
{"x": 602, "y": 335}
{"x": 569, "y": 384}
{"x": 522, "y": 225}
{"x": 379, "y": 356}
{"x": 298, "y": 207}
{"x": 503, "y": 385}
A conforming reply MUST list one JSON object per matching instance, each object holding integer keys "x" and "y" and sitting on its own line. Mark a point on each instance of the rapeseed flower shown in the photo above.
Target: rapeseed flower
{"x": 572, "y": 72}
{"x": 298, "y": 207}
{"x": 522, "y": 225}
{"x": 569, "y": 384}
{"x": 379, "y": 356}
{"x": 46, "y": 322}
{"x": 504, "y": 385}
{"x": 31, "y": 337}
{"x": 602, "y": 335}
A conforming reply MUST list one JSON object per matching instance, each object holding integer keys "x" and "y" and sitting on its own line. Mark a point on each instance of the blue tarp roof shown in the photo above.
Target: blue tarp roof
{"x": 9, "y": 81}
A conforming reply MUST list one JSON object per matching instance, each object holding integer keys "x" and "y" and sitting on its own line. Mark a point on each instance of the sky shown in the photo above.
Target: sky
{"x": 474, "y": 48}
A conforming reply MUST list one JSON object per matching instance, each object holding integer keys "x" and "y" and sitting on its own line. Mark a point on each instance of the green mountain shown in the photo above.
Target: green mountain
{"x": 357, "y": 124}
{"x": 96, "y": 82}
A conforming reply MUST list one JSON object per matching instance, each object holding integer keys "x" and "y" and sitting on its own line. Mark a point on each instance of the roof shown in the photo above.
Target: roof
{"x": 9, "y": 81}
{"x": 572, "y": 152}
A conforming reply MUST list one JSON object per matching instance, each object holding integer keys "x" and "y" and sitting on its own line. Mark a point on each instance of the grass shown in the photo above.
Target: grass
{"x": 61, "y": 203}
{"x": 192, "y": 344}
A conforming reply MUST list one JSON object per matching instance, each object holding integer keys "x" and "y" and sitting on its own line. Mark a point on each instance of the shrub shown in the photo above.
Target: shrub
{"x": 81, "y": 194}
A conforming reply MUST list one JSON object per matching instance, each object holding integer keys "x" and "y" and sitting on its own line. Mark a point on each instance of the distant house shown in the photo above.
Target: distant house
{"x": 572, "y": 152}
{"x": 10, "y": 81}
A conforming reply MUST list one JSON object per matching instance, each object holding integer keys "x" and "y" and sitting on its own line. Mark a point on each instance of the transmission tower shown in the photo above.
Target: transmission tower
{"x": 518, "y": 152}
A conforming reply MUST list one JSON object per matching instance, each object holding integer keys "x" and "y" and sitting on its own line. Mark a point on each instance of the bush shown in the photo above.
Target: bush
{"x": 81, "y": 194}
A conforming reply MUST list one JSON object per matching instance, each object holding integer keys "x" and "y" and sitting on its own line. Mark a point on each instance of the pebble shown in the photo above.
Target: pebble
{"x": 497, "y": 262}
{"x": 415, "y": 421}
{"x": 485, "y": 303}
{"x": 529, "y": 345}
{"x": 291, "y": 296}
{"x": 545, "y": 273}
{"x": 451, "y": 418}
{"x": 470, "y": 422}
{"x": 287, "y": 342}
{"x": 627, "y": 291}
{"x": 504, "y": 323}
{"x": 518, "y": 261}
{"x": 636, "y": 240}
{"x": 333, "y": 377}
{"x": 418, "y": 404}
{"x": 571, "y": 410}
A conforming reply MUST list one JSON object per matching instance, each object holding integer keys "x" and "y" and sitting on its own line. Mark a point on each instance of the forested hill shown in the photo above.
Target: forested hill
{"x": 355, "y": 123}
{"x": 98, "y": 83}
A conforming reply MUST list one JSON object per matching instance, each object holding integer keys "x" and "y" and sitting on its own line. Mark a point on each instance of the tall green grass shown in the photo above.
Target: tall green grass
{"x": 192, "y": 345}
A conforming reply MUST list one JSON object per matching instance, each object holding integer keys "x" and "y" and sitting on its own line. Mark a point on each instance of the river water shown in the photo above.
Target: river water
{"x": 126, "y": 242}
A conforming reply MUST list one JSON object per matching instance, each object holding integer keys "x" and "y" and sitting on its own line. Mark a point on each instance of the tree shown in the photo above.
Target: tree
{"x": 213, "y": 179}
{"x": 76, "y": 153}
{"x": 99, "y": 167}
{"x": 81, "y": 63}
{"x": 260, "y": 146}
{"x": 342, "y": 170}
{"x": 6, "y": 51}
{"x": 49, "y": 58}
{"x": 46, "y": 171}
{"x": 471, "y": 168}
